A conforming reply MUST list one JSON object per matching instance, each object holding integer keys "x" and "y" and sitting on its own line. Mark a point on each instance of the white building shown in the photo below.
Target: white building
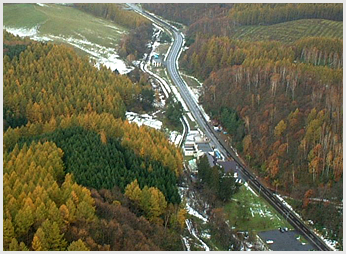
{"x": 189, "y": 149}
{"x": 156, "y": 61}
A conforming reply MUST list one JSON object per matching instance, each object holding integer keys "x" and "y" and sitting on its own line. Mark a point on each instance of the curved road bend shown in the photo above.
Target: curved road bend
{"x": 172, "y": 68}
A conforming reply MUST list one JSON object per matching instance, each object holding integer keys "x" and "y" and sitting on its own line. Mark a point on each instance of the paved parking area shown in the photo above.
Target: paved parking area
{"x": 284, "y": 241}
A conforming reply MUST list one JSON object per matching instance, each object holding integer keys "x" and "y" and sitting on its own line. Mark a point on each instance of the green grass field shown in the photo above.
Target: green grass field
{"x": 56, "y": 21}
{"x": 248, "y": 212}
{"x": 289, "y": 32}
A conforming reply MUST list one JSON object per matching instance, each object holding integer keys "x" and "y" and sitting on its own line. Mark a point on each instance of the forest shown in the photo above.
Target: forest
{"x": 70, "y": 158}
{"x": 280, "y": 102}
{"x": 226, "y": 19}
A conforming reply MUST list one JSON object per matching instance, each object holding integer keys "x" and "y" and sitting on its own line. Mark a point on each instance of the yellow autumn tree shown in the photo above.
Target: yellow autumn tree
{"x": 133, "y": 192}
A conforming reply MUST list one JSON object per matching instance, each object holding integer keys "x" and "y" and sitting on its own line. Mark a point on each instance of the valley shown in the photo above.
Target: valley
{"x": 179, "y": 136}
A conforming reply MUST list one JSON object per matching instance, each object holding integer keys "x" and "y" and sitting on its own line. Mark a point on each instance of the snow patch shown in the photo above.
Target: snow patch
{"x": 102, "y": 55}
{"x": 145, "y": 119}
{"x": 205, "y": 235}
{"x": 27, "y": 32}
{"x": 250, "y": 189}
{"x": 331, "y": 243}
{"x": 42, "y": 5}
{"x": 192, "y": 231}
{"x": 193, "y": 212}
{"x": 22, "y": 32}
{"x": 186, "y": 242}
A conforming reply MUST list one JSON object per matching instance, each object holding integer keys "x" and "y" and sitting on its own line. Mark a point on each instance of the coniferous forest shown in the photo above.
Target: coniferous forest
{"x": 70, "y": 158}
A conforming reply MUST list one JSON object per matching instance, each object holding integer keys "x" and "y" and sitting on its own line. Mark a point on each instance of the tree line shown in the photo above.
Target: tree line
{"x": 113, "y": 12}
{"x": 188, "y": 13}
{"x": 268, "y": 14}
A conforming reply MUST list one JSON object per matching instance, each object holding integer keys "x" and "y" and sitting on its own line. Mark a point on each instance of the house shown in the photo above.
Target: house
{"x": 189, "y": 149}
{"x": 204, "y": 147}
{"x": 156, "y": 61}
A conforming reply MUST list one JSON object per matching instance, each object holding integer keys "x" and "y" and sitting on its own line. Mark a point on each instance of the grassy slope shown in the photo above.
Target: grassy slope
{"x": 22, "y": 15}
{"x": 268, "y": 220}
{"x": 291, "y": 31}
{"x": 63, "y": 21}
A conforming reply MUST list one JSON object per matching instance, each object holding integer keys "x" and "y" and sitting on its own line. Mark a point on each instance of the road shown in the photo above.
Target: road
{"x": 172, "y": 68}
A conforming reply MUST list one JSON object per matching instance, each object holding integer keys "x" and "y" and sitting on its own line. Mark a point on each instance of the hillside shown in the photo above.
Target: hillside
{"x": 97, "y": 37}
{"x": 291, "y": 31}
{"x": 77, "y": 176}
{"x": 273, "y": 79}
{"x": 255, "y": 21}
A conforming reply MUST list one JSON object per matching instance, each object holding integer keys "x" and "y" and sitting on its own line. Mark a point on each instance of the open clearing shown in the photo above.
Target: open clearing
{"x": 92, "y": 36}
{"x": 249, "y": 212}
{"x": 291, "y": 31}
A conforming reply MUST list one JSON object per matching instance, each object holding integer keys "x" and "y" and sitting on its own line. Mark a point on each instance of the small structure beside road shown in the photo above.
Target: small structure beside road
{"x": 156, "y": 60}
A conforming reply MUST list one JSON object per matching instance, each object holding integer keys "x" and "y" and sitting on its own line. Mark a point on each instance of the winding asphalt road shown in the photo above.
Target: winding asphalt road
{"x": 227, "y": 152}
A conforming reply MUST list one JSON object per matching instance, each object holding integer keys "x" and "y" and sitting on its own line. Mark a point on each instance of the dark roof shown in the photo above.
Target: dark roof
{"x": 205, "y": 147}
{"x": 211, "y": 160}
{"x": 229, "y": 166}
{"x": 189, "y": 149}
{"x": 189, "y": 145}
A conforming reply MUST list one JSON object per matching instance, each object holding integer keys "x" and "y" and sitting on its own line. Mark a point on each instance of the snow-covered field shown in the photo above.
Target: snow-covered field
{"x": 101, "y": 54}
{"x": 32, "y": 33}
{"x": 102, "y": 35}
